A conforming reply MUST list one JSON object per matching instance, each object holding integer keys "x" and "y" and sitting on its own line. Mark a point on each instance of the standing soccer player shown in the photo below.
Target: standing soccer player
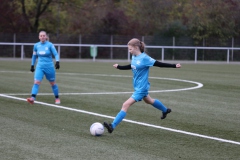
{"x": 140, "y": 68}
{"x": 44, "y": 50}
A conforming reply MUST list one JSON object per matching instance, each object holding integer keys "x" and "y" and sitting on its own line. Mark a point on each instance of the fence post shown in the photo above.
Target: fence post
{"x": 111, "y": 49}
{"x": 203, "y": 51}
{"x": 195, "y": 55}
{"x": 22, "y": 51}
{"x": 59, "y": 50}
{"x": 228, "y": 56}
{"x": 80, "y": 42}
{"x": 162, "y": 54}
{"x": 232, "y": 46}
{"x": 128, "y": 57}
{"x": 173, "y": 50}
{"x": 14, "y": 46}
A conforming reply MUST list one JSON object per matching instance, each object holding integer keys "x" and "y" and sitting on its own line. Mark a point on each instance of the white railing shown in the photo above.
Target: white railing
{"x": 124, "y": 46}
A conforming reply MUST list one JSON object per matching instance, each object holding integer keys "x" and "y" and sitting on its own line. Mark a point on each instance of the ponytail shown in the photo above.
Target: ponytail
{"x": 142, "y": 46}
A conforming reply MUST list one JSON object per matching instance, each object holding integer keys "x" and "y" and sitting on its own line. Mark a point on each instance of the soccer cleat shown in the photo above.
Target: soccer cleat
{"x": 30, "y": 100}
{"x": 164, "y": 114}
{"x": 108, "y": 126}
{"x": 57, "y": 101}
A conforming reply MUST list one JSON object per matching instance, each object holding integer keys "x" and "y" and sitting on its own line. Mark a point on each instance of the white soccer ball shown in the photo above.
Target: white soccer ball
{"x": 96, "y": 129}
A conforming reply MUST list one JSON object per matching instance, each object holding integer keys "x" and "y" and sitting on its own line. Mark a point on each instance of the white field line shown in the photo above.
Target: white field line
{"x": 126, "y": 120}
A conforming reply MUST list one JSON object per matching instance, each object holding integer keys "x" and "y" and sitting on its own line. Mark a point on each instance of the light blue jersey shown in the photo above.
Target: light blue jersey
{"x": 44, "y": 52}
{"x": 140, "y": 67}
{"x": 45, "y": 66}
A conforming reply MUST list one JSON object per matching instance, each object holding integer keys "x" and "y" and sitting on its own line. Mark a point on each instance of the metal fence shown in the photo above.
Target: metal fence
{"x": 114, "y": 47}
{"x": 94, "y": 49}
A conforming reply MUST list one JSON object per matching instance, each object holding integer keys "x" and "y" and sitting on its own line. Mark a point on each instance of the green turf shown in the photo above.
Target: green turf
{"x": 44, "y": 132}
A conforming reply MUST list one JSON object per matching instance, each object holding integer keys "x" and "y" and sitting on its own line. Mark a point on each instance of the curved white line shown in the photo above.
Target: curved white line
{"x": 199, "y": 85}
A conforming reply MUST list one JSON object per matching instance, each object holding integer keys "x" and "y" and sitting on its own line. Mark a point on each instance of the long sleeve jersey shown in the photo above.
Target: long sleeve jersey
{"x": 140, "y": 65}
{"x": 44, "y": 52}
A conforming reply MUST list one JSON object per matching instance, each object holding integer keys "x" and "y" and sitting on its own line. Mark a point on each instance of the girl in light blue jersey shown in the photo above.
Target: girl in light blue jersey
{"x": 44, "y": 50}
{"x": 140, "y": 65}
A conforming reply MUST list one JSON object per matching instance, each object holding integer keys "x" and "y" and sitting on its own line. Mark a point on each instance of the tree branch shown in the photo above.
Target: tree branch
{"x": 25, "y": 14}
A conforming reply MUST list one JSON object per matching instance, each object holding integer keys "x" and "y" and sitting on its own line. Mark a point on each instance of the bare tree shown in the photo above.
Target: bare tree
{"x": 40, "y": 7}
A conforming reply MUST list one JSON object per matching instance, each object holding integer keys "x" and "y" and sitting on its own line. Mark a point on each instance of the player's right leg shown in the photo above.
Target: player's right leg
{"x": 37, "y": 81}
{"x": 120, "y": 116}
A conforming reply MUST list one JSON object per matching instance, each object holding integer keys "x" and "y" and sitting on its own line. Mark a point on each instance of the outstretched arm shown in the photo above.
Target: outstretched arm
{"x": 127, "y": 67}
{"x": 160, "y": 64}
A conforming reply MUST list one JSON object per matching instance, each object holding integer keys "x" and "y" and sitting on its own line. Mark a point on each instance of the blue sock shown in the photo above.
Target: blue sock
{"x": 35, "y": 89}
{"x": 157, "y": 104}
{"x": 120, "y": 116}
{"x": 55, "y": 90}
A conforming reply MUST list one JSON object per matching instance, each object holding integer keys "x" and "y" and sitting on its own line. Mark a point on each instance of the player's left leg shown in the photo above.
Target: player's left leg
{"x": 157, "y": 104}
{"x": 50, "y": 76}
{"x": 55, "y": 92}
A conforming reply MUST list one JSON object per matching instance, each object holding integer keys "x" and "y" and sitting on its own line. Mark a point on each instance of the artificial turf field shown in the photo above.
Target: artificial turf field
{"x": 204, "y": 123}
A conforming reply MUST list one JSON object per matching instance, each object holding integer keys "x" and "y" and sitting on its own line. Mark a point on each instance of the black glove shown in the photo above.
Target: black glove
{"x": 57, "y": 66}
{"x": 32, "y": 69}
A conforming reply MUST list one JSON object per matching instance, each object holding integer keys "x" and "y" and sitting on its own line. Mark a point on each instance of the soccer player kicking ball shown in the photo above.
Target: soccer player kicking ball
{"x": 44, "y": 50}
{"x": 140, "y": 68}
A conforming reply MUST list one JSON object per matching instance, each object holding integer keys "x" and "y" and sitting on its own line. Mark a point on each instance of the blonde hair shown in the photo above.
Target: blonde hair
{"x": 138, "y": 43}
{"x": 47, "y": 38}
{"x": 43, "y": 32}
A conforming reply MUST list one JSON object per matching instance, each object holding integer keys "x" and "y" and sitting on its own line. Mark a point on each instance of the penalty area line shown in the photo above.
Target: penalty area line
{"x": 126, "y": 120}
